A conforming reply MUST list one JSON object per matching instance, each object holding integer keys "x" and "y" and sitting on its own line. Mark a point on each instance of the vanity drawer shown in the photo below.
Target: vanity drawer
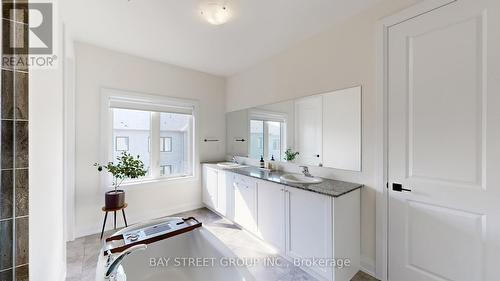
{"x": 243, "y": 181}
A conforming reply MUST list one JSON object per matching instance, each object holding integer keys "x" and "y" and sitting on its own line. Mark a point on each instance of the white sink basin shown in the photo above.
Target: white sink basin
{"x": 299, "y": 178}
{"x": 228, "y": 165}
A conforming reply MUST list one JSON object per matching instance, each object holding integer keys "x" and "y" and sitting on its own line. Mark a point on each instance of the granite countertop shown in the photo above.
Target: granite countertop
{"x": 328, "y": 187}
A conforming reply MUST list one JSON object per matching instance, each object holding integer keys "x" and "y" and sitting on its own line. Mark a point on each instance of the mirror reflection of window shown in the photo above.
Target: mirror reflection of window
{"x": 266, "y": 139}
{"x": 274, "y": 139}
{"x": 256, "y": 138}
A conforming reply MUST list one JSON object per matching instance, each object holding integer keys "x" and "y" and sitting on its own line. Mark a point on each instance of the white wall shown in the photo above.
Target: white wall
{"x": 97, "y": 68}
{"x": 341, "y": 57}
{"x": 46, "y": 240}
{"x": 47, "y": 249}
{"x": 47, "y": 246}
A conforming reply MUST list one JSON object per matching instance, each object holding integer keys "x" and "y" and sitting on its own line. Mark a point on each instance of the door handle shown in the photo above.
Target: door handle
{"x": 399, "y": 187}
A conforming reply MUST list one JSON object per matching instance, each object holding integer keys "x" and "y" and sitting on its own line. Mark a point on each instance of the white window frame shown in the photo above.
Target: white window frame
{"x": 148, "y": 102}
{"x": 264, "y": 115}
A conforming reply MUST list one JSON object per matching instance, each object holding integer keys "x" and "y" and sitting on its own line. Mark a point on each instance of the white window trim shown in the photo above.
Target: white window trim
{"x": 268, "y": 115}
{"x": 148, "y": 102}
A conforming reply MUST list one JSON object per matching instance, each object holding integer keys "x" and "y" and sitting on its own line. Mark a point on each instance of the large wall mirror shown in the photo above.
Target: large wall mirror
{"x": 318, "y": 130}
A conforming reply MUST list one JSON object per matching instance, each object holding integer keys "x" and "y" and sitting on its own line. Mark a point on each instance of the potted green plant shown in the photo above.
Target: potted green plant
{"x": 127, "y": 167}
{"x": 290, "y": 155}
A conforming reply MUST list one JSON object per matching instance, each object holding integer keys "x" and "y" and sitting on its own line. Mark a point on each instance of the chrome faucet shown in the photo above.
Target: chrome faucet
{"x": 113, "y": 263}
{"x": 305, "y": 171}
{"x": 235, "y": 161}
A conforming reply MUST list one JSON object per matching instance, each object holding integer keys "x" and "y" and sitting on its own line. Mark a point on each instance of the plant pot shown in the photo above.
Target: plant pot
{"x": 114, "y": 199}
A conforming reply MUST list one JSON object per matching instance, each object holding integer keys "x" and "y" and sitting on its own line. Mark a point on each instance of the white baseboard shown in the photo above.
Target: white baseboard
{"x": 367, "y": 265}
{"x": 158, "y": 213}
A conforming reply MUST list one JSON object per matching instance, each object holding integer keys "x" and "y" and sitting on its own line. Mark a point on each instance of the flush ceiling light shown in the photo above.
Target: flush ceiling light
{"x": 215, "y": 13}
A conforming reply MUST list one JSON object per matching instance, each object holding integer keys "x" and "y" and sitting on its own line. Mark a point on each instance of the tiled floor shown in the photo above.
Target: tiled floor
{"x": 82, "y": 253}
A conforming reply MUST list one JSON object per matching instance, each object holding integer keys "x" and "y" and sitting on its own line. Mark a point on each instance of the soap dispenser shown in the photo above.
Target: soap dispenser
{"x": 262, "y": 163}
{"x": 272, "y": 165}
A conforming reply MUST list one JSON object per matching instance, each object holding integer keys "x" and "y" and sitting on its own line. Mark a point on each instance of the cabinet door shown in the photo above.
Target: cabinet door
{"x": 308, "y": 130}
{"x": 309, "y": 227}
{"x": 210, "y": 186}
{"x": 222, "y": 200}
{"x": 342, "y": 129}
{"x": 271, "y": 213}
{"x": 245, "y": 210}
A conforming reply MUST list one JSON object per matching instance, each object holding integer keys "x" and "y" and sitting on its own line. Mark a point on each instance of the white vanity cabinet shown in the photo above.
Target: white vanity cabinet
{"x": 245, "y": 202}
{"x": 216, "y": 190}
{"x": 309, "y": 227}
{"x": 302, "y": 225}
{"x": 271, "y": 214}
{"x": 223, "y": 194}
{"x": 210, "y": 187}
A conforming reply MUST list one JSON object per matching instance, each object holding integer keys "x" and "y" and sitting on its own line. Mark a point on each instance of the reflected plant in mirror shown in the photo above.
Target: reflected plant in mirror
{"x": 290, "y": 155}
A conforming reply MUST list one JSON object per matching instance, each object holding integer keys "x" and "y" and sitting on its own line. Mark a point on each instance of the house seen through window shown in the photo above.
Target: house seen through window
{"x": 171, "y": 149}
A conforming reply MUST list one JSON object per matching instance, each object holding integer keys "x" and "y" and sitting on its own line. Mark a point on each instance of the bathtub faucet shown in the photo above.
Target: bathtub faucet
{"x": 114, "y": 263}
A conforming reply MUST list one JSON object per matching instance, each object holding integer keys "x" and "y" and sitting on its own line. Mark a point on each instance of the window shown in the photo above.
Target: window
{"x": 165, "y": 170}
{"x": 165, "y": 144}
{"x": 267, "y": 135}
{"x": 131, "y": 129}
{"x": 121, "y": 143}
{"x": 175, "y": 138}
{"x": 150, "y": 126}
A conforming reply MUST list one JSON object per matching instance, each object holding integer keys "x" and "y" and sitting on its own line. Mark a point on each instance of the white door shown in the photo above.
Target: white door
{"x": 210, "y": 186}
{"x": 308, "y": 126}
{"x": 271, "y": 213}
{"x": 444, "y": 144}
{"x": 309, "y": 228}
{"x": 245, "y": 209}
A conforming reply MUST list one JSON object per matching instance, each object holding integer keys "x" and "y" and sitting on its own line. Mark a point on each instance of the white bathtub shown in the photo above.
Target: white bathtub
{"x": 195, "y": 255}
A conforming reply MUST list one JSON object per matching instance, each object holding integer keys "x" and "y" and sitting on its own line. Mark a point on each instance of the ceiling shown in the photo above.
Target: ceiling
{"x": 173, "y": 31}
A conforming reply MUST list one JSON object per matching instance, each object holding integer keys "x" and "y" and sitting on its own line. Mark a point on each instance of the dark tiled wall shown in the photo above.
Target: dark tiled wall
{"x": 14, "y": 191}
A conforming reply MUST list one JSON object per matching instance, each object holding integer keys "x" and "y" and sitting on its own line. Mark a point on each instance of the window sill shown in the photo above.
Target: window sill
{"x": 135, "y": 184}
